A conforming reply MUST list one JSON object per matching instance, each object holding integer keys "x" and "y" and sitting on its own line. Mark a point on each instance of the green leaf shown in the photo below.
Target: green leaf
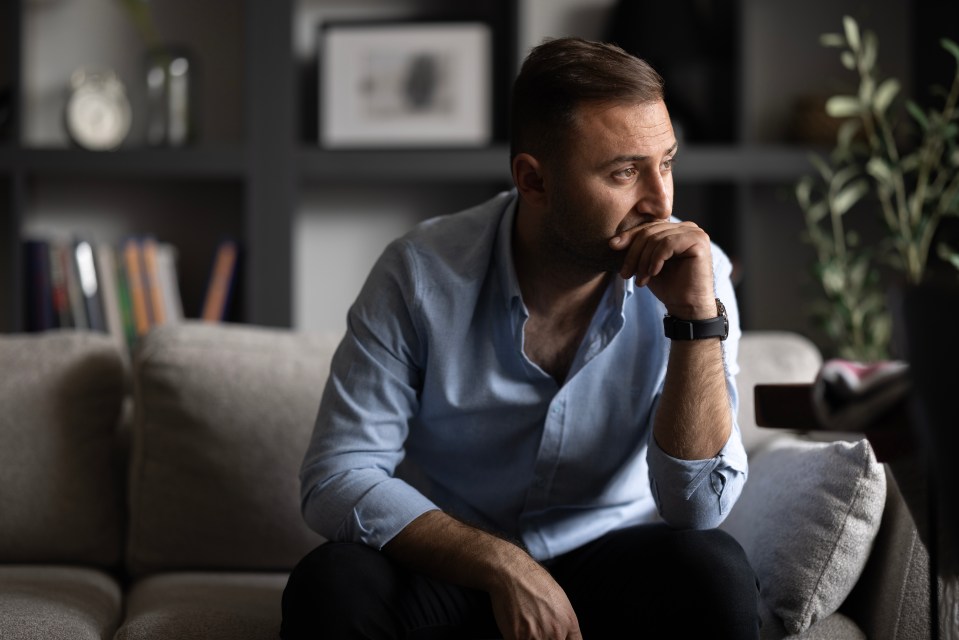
{"x": 916, "y": 111}
{"x": 849, "y": 196}
{"x": 948, "y": 254}
{"x": 870, "y": 50}
{"x": 804, "y": 192}
{"x": 847, "y": 131}
{"x": 832, "y": 40}
{"x": 879, "y": 170}
{"x": 817, "y": 212}
{"x": 842, "y": 176}
{"x": 885, "y": 94}
{"x": 848, "y": 60}
{"x": 951, "y": 47}
{"x": 867, "y": 88}
{"x": 843, "y": 106}
{"x": 851, "y": 30}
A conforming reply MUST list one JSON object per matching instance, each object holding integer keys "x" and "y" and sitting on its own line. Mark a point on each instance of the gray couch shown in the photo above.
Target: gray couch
{"x": 159, "y": 499}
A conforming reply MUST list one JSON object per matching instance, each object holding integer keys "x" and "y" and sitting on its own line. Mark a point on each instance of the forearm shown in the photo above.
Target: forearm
{"x": 526, "y": 601}
{"x": 444, "y": 548}
{"x": 694, "y": 420}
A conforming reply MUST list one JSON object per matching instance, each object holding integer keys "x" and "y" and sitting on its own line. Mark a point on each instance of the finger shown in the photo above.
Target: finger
{"x": 650, "y": 251}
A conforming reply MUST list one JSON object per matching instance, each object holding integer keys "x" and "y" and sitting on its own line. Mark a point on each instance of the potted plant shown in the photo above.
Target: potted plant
{"x": 905, "y": 162}
{"x": 896, "y": 160}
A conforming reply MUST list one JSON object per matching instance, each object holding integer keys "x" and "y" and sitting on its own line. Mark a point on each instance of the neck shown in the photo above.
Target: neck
{"x": 550, "y": 285}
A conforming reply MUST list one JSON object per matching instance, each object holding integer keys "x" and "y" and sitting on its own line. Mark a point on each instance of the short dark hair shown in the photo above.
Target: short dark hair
{"x": 563, "y": 73}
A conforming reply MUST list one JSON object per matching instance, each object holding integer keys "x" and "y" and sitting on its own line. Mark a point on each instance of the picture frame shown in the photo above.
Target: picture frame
{"x": 405, "y": 84}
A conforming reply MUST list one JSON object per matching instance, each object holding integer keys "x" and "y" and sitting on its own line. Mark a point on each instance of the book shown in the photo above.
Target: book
{"x": 105, "y": 260}
{"x": 89, "y": 286}
{"x": 59, "y": 297}
{"x": 169, "y": 281}
{"x": 152, "y": 287}
{"x": 71, "y": 276}
{"x": 220, "y": 285}
{"x": 38, "y": 294}
{"x": 134, "y": 280}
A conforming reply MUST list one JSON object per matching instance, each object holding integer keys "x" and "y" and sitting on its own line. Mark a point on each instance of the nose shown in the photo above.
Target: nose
{"x": 655, "y": 195}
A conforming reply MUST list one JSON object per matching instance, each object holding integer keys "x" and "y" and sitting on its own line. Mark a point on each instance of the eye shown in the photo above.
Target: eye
{"x": 627, "y": 174}
{"x": 668, "y": 164}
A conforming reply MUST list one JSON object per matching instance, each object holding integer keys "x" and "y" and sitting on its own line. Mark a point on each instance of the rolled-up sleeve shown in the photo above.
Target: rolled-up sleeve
{"x": 697, "y": 494}
{"x": 349, "y": 491}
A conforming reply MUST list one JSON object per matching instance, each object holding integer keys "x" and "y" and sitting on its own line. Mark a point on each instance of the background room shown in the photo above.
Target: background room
{"x": 261, "y": 151}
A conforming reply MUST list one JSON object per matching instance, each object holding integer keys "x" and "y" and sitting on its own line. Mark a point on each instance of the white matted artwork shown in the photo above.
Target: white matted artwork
{"x": 406, "y": 84}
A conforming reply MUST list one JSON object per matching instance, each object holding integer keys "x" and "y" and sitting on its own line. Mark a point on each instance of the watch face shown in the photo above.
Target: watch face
{"x": 98, "y": 115}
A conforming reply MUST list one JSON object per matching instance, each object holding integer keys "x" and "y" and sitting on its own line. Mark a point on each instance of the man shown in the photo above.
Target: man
{"x": 508, "y": 444}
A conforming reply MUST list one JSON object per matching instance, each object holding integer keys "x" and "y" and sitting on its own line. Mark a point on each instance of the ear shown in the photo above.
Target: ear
{"x": 528, "y": 178}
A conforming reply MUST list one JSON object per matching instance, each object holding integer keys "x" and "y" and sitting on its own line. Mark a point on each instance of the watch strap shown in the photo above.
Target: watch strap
{"x": 678, "y": 329}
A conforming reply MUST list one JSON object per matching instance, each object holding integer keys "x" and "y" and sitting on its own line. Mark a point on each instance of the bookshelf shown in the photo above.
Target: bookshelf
{"x": 255, "y": 181}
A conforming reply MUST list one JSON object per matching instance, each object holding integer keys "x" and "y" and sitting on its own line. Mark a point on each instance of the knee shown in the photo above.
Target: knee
{"x": 330, "y": 590}
{"x": 715, "y": 565}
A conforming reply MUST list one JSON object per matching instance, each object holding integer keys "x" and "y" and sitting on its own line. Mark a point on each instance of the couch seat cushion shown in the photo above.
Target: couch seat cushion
{"x": 61, "y": 394}
{"x": 807, "y": 519}
{"x": 205, "y": 606}
{"x": 57, "y": 603}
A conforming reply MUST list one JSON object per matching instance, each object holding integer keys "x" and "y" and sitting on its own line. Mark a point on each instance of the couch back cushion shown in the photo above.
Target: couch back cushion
{"x": 60, "y": 499}
{"x": 770, "y": 357}
{"x": 224, "y": 414}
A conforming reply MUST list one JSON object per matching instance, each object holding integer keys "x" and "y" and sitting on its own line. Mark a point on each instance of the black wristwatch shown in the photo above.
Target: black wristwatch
{"x": 717, "y": 327}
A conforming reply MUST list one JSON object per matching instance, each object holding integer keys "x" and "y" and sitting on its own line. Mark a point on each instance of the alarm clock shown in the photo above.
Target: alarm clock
{"x": 97, "y": 114}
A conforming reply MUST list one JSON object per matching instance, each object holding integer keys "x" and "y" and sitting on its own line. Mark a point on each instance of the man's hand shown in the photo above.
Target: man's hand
{"x": 527, "y": 602}
{"x": 529, "y": 605}
{"x": 675, "y": 261}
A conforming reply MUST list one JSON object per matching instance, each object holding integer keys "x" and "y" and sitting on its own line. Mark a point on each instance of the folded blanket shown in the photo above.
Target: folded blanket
{"x": 848, "y": 396}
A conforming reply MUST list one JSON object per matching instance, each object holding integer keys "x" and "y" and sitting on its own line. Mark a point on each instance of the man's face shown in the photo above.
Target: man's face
{"x": 617, "y": 173}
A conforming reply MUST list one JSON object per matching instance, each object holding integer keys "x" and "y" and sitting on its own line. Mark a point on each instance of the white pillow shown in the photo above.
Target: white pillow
{"x": 807, "y": 519}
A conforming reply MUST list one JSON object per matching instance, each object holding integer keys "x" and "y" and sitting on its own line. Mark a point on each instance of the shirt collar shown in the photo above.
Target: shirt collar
{"x": 503, "y": 255}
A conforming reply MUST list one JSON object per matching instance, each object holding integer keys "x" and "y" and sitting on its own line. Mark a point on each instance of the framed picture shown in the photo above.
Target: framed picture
{"x": 405, "y": 84}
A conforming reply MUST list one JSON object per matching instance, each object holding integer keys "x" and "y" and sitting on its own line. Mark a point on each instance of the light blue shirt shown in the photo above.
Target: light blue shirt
{"x": 432, "y": 403}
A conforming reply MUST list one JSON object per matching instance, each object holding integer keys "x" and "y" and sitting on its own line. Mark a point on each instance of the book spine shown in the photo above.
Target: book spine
{"x": 151, "y": 279}
{"x": 134, "y": 276}
{"x": 89, "y": 285}
{"x": 77, "y": 310}
{"x": 169, "y": 281}
{"x": 59, "y": 296}
{"x": 105, "y": 259}
{"x": 38, "y": 293}
{"x": 221, "y": 282}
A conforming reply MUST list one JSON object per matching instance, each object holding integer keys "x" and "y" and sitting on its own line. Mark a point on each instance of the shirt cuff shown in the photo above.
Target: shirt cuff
{"x": 697, "y": 494}
{"x": 384, "y": 511}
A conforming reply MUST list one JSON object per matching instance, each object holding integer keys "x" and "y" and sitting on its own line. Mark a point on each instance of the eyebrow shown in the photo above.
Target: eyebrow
{"x": 637, "y": 158}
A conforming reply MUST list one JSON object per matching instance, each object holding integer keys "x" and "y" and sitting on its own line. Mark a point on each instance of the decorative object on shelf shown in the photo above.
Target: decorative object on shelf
{"x": 911, "y": 173}
{"x": 169, "y": 84}
{"x": 405, "y": 84}
{"x": 97, "y": 114}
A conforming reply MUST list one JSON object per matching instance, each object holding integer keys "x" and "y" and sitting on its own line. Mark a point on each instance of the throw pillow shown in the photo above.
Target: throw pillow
{"x": 807, "y": 519}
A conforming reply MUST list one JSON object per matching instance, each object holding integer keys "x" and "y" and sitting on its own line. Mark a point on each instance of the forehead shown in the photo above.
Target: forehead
{"x": 640, "y": 128}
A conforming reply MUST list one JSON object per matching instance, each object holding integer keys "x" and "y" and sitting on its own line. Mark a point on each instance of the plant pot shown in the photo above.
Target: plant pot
{"x": 926, "y": 334}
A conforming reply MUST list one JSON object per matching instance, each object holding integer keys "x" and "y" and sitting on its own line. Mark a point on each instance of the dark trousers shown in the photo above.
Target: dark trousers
{"x": 642, "y": 582}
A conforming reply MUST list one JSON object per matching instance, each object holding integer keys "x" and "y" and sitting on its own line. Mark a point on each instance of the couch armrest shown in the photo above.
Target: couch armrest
{"x": 891, "y": 598}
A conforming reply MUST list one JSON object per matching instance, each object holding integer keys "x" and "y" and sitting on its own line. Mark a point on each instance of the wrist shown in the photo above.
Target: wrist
{"x": 699, "y": 325}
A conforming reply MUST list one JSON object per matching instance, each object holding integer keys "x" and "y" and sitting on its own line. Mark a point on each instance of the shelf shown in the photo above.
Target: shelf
{"x": 218, "y": 162}
{"x": 694, "y": 164}
{"x": 366, "y": 166}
